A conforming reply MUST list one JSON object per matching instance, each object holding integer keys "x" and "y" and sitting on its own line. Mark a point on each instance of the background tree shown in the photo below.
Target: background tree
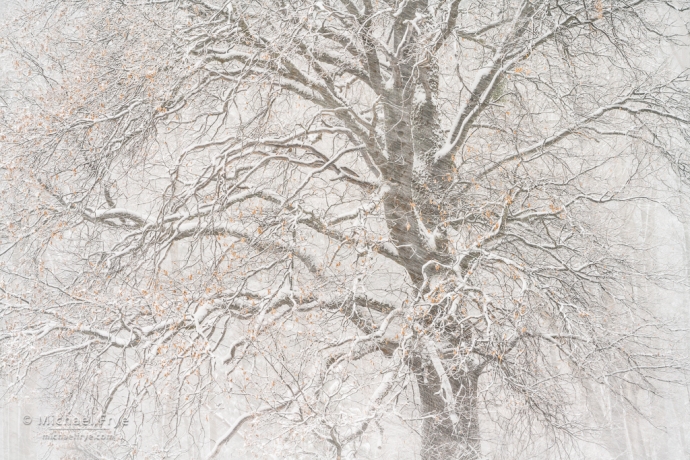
{"x": 332, "y": 211}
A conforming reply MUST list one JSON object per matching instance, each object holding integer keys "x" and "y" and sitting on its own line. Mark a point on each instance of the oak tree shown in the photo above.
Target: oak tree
{"x": 337, "y": 213}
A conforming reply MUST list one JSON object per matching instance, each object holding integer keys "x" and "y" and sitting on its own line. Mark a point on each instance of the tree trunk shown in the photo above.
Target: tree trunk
{"x": 449, "y": 433}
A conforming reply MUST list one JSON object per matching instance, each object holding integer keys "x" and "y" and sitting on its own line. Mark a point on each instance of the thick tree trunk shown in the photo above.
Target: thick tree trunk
{"x": 414, "y": 209}
{"x": 449, "y": 432}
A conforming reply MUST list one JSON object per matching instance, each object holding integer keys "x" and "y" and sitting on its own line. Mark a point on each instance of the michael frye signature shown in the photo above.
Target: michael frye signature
{"x": 76, "y": 428}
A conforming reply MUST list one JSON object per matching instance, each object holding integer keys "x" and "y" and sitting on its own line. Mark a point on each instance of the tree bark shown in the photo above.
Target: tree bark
{"x": 449, "y": 431}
